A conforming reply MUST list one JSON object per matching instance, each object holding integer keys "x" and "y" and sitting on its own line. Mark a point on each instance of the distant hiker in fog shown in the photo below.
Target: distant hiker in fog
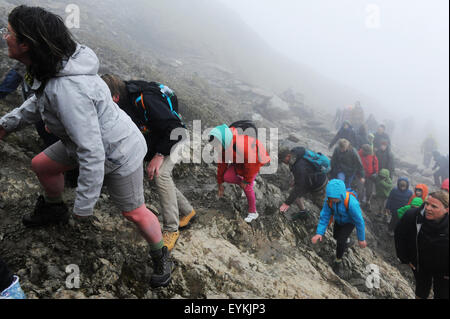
{"x": 362, "y": 137}
{"x": 370, "y": 163}
{"x": 156, "y": 125}
{"x": 308, "y": 179}
{"x": 398, "y": 198}
{"x": 442, "y": 166}
{"x": 95, "y": 134}
{"x": 9, "y": 284}
{"x": 346, "y": 132}
{"x": 372, "y": 124}
{"x": 357, "y": 117}
{"x": 380, "y": 136}
{"x": 427, "y": 148}
{"x": 247, "y": 156}
{"x": 421, "y": 241}
{"x": 344, "y": 209}
{"x": 338, "y": 119}
{"x": 385, "y": 158}
{"x": 346, "y": 163}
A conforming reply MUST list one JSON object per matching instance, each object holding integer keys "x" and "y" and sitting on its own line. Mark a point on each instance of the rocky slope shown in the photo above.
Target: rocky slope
{"x": 219, "y": 256}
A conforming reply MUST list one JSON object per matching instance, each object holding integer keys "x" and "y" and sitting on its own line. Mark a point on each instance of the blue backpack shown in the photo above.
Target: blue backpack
{"x": 320, "y": 161}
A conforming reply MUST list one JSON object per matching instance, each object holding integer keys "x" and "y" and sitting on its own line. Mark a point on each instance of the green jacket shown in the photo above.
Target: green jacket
{"x": 416, "y": 202}
{"x": 383, "y": 184}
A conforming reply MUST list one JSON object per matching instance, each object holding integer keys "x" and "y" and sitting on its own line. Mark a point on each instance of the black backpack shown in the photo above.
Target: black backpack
{"x": 153, "y": 101}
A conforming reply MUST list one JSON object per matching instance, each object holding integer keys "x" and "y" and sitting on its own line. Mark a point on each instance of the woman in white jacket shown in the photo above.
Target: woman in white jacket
{"x": 95, "y": 134}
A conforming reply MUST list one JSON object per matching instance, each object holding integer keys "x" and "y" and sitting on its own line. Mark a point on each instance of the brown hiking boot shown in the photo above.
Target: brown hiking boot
{"x": 170, "y": 239}
{"x": 186, "y": 219}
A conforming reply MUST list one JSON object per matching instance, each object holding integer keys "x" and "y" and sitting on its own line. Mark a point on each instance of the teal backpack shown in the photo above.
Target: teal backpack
{"x": 320, "y": 161}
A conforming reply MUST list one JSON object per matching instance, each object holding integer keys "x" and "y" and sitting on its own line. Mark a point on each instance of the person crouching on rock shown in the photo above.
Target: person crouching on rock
{"x": 307, "y": 179}
{"x": 246, "y": 154}
{"x": 344, "y": 208}
{"x": 421, "y": 241}
{"x": 95, "y": 134}
{"x": 157, "y": 126}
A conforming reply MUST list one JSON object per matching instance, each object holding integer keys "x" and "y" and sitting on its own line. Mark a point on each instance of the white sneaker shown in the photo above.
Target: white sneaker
{"x": 251, "y": 217}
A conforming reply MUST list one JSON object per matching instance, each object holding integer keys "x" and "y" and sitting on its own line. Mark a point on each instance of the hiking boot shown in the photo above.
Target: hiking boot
{"x": 170, "y": 239}
{"x": 14, "y": 291}
{"x": 251, "y": 217}
{"x": 302, "y": 215}
{"x": 162, "y": 268}
{"x": 46, "y": 214}
{"x": 186, "y": 219}
{"x": 338, "y": 268}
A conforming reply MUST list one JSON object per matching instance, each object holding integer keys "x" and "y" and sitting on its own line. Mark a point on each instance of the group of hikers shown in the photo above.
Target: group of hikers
{"x": 103, "y": 129}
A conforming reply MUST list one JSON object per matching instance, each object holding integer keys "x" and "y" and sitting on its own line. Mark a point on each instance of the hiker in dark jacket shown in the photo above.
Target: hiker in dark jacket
{"x": 9, "y": 284}
{"x": 441, "y": 164}
{"x": 381, "y": 135}
{"x": 307, "y": 179}
{"x": 362, "y": 137}
{"x": 385, "y": 158}
{"x": 346, "y": 163}
{"x": 398, "y": 198}
{"x": 346, "y": 132}
{"x": 372, "y": 124}
{"x": 177, "y": 212}
{"x": 421, "y": 241}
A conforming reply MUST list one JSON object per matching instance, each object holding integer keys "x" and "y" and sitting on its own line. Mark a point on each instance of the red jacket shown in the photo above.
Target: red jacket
{"x": 370, "y": 163}
{"x": 243, "y": 154}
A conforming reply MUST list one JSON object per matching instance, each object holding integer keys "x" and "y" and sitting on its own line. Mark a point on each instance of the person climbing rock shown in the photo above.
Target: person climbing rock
{"x": 95, "y": 134}
{"x": 344, "y": 208}
{"x": 385, "y": 158}
{"x": 362, "y": 137}
{"x": 441, "y": 168}
{"x": 370, "y": 164}
{"x": 9, "y": 284}
{"x": 163, "y": 152}
{"x": 427, "y": 148}
{"x": 241, "y": 159}
{"x": 398, "y": 198}
{"x": 421, "y": 241}
{"x": 346, "y": 164}
{"x": 308, "y": 179}
{"x": 383, "y": 187}
{"x": 380, "y": 136}
{"x": 346, "y": 132}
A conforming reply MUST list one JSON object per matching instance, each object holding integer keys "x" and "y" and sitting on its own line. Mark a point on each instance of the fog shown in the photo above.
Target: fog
{"x": 396, "y": 52}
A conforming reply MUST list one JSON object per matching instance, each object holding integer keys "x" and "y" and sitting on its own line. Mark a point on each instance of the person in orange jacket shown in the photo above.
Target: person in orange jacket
{"x": 242, "y": 157}
{"x": 421, "y": 190}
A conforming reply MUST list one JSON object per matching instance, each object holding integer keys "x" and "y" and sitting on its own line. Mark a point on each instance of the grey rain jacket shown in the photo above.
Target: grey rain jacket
{"x": 77, "y": 107}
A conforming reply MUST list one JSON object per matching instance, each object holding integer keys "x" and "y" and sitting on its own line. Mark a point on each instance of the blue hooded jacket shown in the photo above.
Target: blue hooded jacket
{"x": 397, "y": 198}
{"x": 336, "y": 189}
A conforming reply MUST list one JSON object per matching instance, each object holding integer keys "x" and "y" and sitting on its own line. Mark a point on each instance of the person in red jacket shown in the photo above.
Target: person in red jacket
{"x": 242, "y": 157}
{"x": 444, "y": 185}
{"x": 370, "y": 164}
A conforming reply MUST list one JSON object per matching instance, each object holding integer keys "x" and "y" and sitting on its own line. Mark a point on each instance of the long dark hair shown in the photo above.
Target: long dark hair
{"x": 47, "y": 36}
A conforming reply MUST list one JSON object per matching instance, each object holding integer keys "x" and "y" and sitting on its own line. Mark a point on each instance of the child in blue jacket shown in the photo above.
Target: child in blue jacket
{"x": 346, "y": 218}
{"x": 398, "y": 198}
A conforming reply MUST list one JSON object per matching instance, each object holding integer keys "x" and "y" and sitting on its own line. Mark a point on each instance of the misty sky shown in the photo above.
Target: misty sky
{"x": 404, "y": 63}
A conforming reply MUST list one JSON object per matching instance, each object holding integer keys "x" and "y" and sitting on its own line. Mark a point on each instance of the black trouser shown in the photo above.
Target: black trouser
{"x": 6, "y": 276}
{"x": 47, "y": 138}
{"x": 425, "y": 280}
{"x": 341, "y": 233}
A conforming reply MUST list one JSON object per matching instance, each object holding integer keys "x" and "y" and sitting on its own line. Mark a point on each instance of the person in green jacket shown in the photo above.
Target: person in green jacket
{"x": 416, "y": 202}
{"x": 383, "y": 184}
